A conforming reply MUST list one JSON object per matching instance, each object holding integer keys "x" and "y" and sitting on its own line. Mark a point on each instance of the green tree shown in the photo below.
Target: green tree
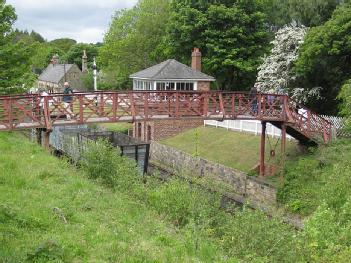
{"x": 232, "y": 36}
{"x": 133, "y": 41}
{"x": 15, "y": 71}
{"x": 75, "y": 53}
{"x": 27, "y": 38}
{"x": 63, "y": 44}
{"x": 311, "y": 12}
{"x": 324, "y": 59}
{"x": 43, "y": 53}
{"x": 345, "y": 106}
{"x": 306, "y": 12}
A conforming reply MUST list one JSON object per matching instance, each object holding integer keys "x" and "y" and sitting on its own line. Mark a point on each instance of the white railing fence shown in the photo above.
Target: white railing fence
{"x": 251, "y": 126}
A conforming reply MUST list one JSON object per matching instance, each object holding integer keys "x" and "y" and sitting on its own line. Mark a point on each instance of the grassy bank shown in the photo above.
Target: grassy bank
{"x": 117, "y": 127}
{"x": 321, "y": 176}
{"x": 233, "y": 149}
{"x": 51, "y": 212}
{"x": 38, "y": 193}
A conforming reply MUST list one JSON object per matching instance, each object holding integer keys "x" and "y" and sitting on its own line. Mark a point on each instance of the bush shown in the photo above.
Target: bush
{"x": 102, "y": 161}
{"x": 183, "y": 202}
{"x": 48, "y": 250}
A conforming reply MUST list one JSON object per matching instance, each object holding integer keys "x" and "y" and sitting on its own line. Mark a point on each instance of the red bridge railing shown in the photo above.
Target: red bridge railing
{"x": 35, "y": 111}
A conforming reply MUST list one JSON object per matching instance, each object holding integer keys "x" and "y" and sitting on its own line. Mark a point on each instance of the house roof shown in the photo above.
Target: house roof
{"x": 171, "y": 70}
{"x": 54, "y": 73}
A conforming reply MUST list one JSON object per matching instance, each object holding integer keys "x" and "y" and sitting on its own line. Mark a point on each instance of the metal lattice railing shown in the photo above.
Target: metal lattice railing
{"x": 35, "y": 111}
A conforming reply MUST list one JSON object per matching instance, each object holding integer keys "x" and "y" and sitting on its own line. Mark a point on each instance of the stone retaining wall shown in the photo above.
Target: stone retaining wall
{"x": 235, "y": 183}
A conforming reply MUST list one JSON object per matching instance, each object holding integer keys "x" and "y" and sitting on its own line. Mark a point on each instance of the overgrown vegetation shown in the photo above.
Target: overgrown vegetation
{"x": 147, "y": 221}
{"x": 324, "y": 60}
{"x": 321, "y": 176}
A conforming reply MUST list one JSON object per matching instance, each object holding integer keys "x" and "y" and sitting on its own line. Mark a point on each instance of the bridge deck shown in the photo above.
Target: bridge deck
{"x": 35, "y": 111}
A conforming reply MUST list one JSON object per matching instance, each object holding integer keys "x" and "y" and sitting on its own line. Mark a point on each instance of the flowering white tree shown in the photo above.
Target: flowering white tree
{"x": 274, "y": 74}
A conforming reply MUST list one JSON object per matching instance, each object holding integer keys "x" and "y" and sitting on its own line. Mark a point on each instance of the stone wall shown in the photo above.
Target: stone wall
{"x": 236, "y": 184}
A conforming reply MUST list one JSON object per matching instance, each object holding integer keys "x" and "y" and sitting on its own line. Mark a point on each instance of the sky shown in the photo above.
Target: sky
{"x": 83, "y": 20}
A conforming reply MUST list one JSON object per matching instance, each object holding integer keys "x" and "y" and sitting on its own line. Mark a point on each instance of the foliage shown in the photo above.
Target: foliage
{"x": 324, "y": 59}
{"x": 122, "y": 127}
{"x": 26, "y": 37}
{"x": 204, "y": 232}
{"x": 300, "y": 12}
{"x": 182, "y": 202}
{"x": 103, "y": 225}
{"x": 15, "y": 72}
{"x": 267, "y": 241}
{"x": 132, "y": 42}
{"x": 345, "y": 106}
{"x": 231, "y": 36}
{"x": 320, "y": 176}
{"x": 102, "y": 161}
{"x": 75, "y": 53}
{"x": 274, "y": 73}
{"x": 63, "y": 43}
{"x": 43, "y": 53}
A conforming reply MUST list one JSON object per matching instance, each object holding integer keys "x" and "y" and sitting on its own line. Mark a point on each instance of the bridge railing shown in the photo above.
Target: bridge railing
{"x": 32, "y": 111}
{"x": 308, "y": 122}
{"x": 29, "y": 111}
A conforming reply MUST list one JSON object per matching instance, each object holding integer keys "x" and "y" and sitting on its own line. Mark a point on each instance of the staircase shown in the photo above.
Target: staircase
{"x": 305, "y": 125}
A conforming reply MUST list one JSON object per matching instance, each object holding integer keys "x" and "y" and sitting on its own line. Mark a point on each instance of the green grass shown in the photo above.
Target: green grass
{"x": 321, "y": 176}
{"x": 162, "y": 222}
{"x": 117, "y": 127}
{"x": 103, "y": 225}
{"x": 233, "y": 149}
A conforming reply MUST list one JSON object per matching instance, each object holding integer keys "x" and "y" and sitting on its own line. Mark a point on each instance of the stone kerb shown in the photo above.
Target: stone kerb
{"x": 235, "y": 183}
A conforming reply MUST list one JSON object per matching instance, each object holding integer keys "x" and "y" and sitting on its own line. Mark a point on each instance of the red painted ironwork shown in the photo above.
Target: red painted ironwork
{"x": 35, "y": 111}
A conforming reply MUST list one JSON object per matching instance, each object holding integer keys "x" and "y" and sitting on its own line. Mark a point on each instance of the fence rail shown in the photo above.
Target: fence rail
{"x": 250, "y": 126}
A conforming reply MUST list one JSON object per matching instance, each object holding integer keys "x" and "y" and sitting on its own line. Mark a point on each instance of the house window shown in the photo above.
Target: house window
{"x": 142, "y": 85}
{"x": 187, "y": 86}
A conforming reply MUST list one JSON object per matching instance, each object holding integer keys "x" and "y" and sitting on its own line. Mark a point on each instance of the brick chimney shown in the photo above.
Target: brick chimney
{"x": 196, "y": 59}
{"x": 84, "y": 62}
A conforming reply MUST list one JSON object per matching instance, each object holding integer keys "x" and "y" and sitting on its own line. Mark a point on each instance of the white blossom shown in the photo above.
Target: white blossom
{"x": 274, "y": 73}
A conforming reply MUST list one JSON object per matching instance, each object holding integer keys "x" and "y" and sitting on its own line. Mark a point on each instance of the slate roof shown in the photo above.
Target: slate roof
{"x": 54, "y": 73}
{"x": 171, "y": 70}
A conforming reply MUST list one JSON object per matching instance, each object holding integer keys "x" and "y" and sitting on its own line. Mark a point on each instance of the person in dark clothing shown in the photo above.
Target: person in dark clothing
{"x": 253, "y": 98}
{"x": 67, "y": 100}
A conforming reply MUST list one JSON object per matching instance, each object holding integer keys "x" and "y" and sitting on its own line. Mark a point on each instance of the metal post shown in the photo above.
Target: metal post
{"x": 283, "y": 144}
{"x": 47, "y": 139}
{"x": 38, "y": 134}
{"x": 263, "y": 148}
{"x": 95, "y": 75}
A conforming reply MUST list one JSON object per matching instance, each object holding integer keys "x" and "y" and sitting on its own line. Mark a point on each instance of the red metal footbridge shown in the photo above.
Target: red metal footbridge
{"x": 36, "y": 111}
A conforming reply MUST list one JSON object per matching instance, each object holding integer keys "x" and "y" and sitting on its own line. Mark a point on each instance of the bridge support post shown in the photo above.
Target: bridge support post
{"x": 47, "y": 139}
{"x": 38, "y": 135}
{"x": 283, "y": 144}
{"x": 263, "y": 148}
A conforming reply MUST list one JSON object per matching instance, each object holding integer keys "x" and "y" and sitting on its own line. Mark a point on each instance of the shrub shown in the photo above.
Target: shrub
{"x": 102, "y": 161}
{"x": 183, "y": 202}
{"x": 48, "y": 250}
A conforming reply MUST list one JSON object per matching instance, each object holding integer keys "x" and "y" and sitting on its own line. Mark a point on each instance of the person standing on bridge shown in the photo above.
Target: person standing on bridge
{"x": 67, "y": 100}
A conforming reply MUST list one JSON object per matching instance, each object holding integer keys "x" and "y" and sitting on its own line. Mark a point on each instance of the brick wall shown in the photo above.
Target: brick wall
{"x": 203, "y": 86}
{"x": 162, "y": 129}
